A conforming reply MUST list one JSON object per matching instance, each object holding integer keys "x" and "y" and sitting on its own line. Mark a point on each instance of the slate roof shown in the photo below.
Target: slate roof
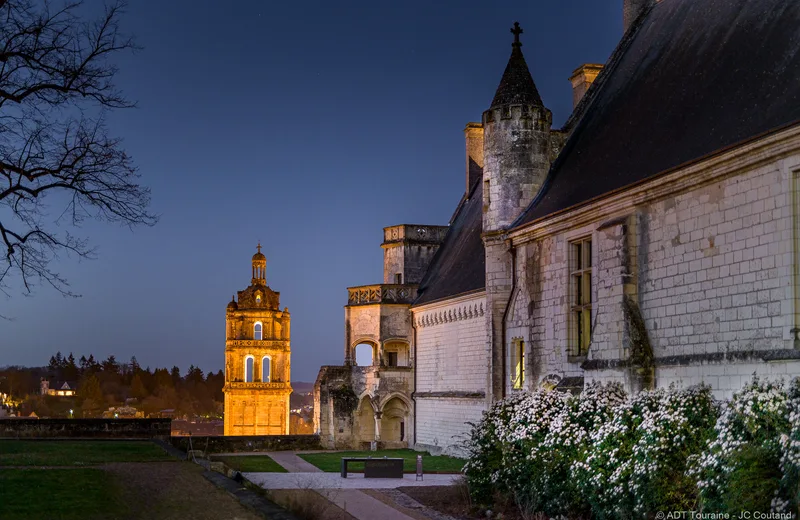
{"x": 459, "y": 266}
{"x": 516, "y": 86}
{"x": 696, "y": 77}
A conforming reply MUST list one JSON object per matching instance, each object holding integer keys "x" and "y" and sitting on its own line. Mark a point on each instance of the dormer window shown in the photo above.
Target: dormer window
{"x": 258, "y": 331}
{"x": 258, "y": 297}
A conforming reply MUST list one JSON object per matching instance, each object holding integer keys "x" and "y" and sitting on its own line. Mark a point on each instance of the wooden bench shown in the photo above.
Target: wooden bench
{"x": 376, "y": 468}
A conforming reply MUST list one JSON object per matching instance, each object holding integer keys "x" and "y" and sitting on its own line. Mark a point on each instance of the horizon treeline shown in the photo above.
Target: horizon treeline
{"x": 101, "y": 384}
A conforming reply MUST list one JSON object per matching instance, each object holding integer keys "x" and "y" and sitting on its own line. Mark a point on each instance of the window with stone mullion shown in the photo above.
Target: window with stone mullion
{"x": 580, "y": 296}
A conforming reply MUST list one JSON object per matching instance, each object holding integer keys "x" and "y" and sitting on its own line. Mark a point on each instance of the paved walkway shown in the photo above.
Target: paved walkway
{"x": 320, "y": 480}
{"x": 342, "y": 492}
{"x": 292, "y": 462}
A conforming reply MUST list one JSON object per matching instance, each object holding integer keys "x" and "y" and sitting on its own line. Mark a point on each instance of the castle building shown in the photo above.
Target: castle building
{"x": 257, "y": 359}
{"x": 652, "y": 240}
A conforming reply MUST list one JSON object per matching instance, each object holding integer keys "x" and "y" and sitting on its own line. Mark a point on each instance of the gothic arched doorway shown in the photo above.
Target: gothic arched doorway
{"x": 394, "y": 423}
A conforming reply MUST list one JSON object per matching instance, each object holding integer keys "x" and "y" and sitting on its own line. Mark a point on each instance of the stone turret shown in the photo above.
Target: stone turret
{"x": 516, "y": 144}
{"x": 516, "y": 158}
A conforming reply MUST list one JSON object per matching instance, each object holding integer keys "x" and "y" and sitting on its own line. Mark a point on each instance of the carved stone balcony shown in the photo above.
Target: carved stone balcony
{"x": 277, "y": 344}
{"x": 381, "y": 293}
{"x": 240, "y": 385}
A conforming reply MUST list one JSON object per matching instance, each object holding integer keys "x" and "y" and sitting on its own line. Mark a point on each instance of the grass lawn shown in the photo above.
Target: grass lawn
{"x": 59, "y": 494}
{"x": 332, "y": 461}
{"x": 77, "y": 453}
{"x": 252, "y": 463}
{"x": 127, "y": 480}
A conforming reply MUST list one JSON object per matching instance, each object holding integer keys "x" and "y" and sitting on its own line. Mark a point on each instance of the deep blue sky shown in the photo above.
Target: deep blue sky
{"x": 309, "y": 126}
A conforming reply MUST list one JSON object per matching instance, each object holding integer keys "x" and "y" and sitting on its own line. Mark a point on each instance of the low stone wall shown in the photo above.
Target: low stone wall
{"x": 85, "y": 428}
{"x": 249, "y": 443}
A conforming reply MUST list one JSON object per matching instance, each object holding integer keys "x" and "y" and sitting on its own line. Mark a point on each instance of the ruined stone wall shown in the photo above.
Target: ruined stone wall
{"x": 335, "y": 403}
{"x": 85, "y": 428}
{"x": 453, "y": 361}
{"x": 219, "y": 444}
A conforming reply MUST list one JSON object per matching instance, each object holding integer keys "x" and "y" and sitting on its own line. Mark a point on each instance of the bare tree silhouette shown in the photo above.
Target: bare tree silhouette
{"x": 58, "y": 163}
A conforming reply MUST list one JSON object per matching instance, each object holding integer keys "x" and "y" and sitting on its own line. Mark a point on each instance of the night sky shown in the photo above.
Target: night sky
{"x": 308, "y": 126}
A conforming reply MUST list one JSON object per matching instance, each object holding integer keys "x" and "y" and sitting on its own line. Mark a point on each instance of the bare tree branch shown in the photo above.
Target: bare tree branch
{"x": 56, "y": 85}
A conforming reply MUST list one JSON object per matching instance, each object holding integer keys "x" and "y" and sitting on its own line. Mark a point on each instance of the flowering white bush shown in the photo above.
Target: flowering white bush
{"x": 604, "y": 455}
{"x": 752, "y": 461}
{"x": 504, "y": 444}
{"x": 636, "y": 462}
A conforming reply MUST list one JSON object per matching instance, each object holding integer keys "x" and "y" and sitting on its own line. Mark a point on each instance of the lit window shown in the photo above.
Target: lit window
{"x": 517, "y": 364}
{"x": 266, "y": 369}
{"x": 580, "y": 296}
{"x": 248, "y": 369}
{"x": 258, "y": 298}
{"x": 257, "y": 331}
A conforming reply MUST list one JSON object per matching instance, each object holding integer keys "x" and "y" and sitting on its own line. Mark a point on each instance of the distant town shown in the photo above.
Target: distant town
{"x": 88, "y": 388}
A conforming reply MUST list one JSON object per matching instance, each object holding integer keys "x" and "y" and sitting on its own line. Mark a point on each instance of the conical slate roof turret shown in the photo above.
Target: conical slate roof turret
{"x": 517, "y": 86}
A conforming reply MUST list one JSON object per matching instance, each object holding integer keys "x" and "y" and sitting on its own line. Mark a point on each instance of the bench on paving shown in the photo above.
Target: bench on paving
{"x": 376, "y": 468}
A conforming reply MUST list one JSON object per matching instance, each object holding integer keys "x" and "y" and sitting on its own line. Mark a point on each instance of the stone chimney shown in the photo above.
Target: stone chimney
{"x": 473, "y": 135}
{"x": 581, "y": 79}
{"x": 632, "y": 10}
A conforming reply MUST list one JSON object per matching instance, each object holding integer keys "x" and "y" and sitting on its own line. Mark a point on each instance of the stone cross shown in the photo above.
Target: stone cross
{"x": 516, "y": 31}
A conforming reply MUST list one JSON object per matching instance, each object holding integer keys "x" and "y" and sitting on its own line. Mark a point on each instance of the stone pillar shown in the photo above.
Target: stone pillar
{"x": 378, "y": 416}
{"x": 348, "y": 350}
{"x": 620, "y": 334}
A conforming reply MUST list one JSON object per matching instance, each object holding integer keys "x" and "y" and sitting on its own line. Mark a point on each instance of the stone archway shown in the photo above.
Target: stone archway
{"x": 365, "y": 431}
{"x": 394, "y": 423}
{"x": 364, "y": 354}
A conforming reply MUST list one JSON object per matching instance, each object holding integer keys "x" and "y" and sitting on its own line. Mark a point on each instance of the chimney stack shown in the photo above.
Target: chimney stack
{"x": 581, "y": 79}
{"x": 473, "y": 135}
{"x": 632, "y": 10}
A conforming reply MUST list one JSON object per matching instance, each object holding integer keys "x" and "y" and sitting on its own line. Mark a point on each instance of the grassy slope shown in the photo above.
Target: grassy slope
{"x": 80, "y": 493}
{"x": 431, "y": 464}
{"x": 252, "y": 463}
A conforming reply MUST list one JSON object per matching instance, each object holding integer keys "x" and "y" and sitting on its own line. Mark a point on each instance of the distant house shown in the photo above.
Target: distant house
{"x": 123, "y": 412}
{"x": 60, "y": 389}
{"x": 169, "y": 413}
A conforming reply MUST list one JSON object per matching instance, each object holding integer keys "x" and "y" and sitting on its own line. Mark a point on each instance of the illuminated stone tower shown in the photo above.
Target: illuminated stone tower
{"x": 516, "y": 155}
{"x": 257, "y": 359}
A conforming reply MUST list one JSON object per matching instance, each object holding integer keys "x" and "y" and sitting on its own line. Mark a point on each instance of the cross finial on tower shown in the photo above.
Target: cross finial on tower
{"x": 516, "y": 31}
{"x": 259, "y": 246}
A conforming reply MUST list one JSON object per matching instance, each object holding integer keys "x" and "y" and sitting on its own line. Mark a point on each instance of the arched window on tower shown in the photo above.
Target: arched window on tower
{"x": 266, "y": 369}
{"x": 248, "y": 369}
{"x": 257, "y": 330}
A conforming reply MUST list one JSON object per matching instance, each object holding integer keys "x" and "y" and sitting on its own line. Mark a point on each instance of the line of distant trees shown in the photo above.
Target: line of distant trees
{"x": 102, "y": 384}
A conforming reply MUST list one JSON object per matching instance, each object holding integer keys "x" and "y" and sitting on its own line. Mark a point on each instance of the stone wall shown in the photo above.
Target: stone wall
{"x": 85, "y": 428}
{"x": 453, "y": 360}
{"x": 700, "y": 275}
{"x": 234, "y": 444}
{"x": 538, "y": 310}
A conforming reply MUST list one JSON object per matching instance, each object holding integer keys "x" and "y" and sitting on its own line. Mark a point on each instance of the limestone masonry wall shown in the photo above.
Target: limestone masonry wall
{"x": 453, "y": 361}
{"x": 451, "y": 343}
{"x": 442, "y": 423}
{"x": 709, "y": 269}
